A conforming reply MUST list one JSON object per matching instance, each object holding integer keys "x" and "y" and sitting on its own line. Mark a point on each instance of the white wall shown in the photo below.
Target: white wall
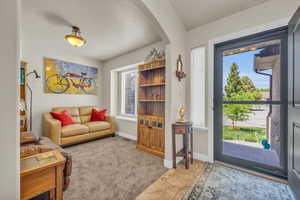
{"x": 33, "y": 52}
{"x": 9, "y": 142}
{"x": 34, "y": 49}
{"x": 137, "y": 56}
{"x": 36, "y": 46}
{"x": 259, "y": 15}
{"x": 256, "y": 16}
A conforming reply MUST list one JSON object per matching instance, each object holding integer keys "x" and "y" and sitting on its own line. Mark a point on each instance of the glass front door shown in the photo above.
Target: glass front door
{"x": 250, "y": 102}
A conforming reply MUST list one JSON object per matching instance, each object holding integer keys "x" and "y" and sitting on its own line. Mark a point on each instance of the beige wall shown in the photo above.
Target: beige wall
{"x": 9, "y": 142}
{"x": 34, "y": 49}
{"x": 260, "y": 15}
{"x": 124, "y": 126}
{"x": 174, "y": 31}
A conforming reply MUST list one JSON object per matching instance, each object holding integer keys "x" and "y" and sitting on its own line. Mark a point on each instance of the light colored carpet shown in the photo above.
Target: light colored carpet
{"x": 222, "y": 183}
{"x": 111, "y": 168}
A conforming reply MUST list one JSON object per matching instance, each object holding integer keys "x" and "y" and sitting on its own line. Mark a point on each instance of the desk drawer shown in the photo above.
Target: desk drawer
{"x": 180, "y": 130}
{"x": 37, "y": 183}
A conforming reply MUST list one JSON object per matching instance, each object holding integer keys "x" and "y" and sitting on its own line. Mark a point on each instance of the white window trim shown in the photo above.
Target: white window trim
{"x": 120, "y": 109}
{"x": 121, "y": 117}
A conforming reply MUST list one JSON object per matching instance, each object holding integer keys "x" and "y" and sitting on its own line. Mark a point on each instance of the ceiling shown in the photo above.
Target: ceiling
{"x": 194, "y": 13}
{"x": 111, "y": 27}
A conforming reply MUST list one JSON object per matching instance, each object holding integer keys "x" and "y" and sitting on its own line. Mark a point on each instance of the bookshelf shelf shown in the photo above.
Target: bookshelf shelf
{"x": 152, "y": 84}
{"x": 151, "y": 100}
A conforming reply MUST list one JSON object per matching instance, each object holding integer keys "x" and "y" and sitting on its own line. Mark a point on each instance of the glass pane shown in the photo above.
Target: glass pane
{"x": 296, "y": 68}
{"x": 252, "y": 73}
{"x": 198, "y": 86}
{"x": 130, "y": 89}
{"x": 252, "y": 132}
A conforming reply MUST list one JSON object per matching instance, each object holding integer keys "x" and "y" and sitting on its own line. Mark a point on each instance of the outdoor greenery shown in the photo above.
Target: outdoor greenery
{"x": 234, "y": 83}
{"x": 248, "y": 134}
{"x": 239, "y": 89}
{"x": 238, "y": 112}
{"x": 264, "y": 90}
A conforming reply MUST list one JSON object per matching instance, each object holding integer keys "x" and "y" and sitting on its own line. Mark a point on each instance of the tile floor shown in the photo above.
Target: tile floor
{"x": 173, "y": 184}
{"x": 259, "y": 155}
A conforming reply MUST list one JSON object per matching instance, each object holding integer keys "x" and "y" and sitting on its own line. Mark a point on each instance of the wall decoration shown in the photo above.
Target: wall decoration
{"x": 179, "y": 71}
{"x": 63, "y": 77}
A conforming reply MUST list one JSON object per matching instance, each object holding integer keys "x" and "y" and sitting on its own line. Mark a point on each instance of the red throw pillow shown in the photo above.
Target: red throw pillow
{"x": 98, "y": 115}
{"x": 64, "y": 117}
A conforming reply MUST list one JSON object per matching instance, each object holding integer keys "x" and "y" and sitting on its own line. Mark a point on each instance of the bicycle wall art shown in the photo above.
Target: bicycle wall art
{"x": 63, "y": 77}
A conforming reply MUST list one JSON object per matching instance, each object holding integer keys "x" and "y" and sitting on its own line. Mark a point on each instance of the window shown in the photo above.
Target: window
{"x": 129, "y": 92}
{"x": 198, "y": 86}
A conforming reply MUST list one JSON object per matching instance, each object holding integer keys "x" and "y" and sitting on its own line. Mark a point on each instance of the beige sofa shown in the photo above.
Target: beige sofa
{"x": 82, "y": 130}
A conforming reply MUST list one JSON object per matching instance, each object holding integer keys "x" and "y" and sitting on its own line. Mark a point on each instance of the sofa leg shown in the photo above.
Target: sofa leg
{"x": 113, "y": 135}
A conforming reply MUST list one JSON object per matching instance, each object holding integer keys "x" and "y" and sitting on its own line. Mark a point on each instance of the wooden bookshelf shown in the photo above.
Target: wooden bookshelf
{"x": 23, "y": 114}
{"x": 151, "y": 107}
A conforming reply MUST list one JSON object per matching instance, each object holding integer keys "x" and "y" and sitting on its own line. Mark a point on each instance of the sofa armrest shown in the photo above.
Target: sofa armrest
{"x": 111, "y": 120}
{"x": 52, "y": 128}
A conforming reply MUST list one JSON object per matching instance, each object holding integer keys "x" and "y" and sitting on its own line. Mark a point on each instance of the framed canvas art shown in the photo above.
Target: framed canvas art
{"x": 63, "y": 77}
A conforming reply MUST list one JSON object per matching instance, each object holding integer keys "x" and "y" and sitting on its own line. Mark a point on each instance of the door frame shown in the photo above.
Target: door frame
{"x": 274, "y": 34}
{"x": 293, "y": 107}
{"x": 210, "y": 71}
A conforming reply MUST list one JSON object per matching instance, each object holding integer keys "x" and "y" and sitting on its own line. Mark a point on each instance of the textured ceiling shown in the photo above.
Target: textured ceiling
{"x": 111, "y": 27}
{"x": 194, "y": 13}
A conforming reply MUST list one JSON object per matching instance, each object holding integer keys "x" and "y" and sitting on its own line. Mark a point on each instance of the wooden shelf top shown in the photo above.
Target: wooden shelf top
{"x": 154, "y": 62}
{"x": 151, "y": 100}
{"x": 37, "y": 162}
{"x": 151, "y": 115}
{"x": 152, "y": 84}
{"x": 152, "y": 68}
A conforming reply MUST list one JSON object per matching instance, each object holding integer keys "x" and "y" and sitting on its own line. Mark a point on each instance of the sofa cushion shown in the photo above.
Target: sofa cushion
{"x": 98, "y": 126}
{"x": 85, "y": 113}
{"x": 74, "y": 129}
{"x": 74, "y": 111}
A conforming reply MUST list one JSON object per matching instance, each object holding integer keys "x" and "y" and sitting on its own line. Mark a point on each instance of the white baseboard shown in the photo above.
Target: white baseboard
{"x": 126, "y": 135}
{"x": 197, "y": 156}
{"x": 169, "y": 163}
{"x": 201, "y": 157}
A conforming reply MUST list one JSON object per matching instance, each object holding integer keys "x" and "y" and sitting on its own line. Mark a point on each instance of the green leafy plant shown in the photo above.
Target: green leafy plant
{"x": 238, "y": 112}
{"x": 248, "y": 87}
{"x": 239, "y": 89}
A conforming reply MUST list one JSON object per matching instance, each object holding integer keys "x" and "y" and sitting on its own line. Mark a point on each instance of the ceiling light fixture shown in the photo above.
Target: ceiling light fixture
{"x": 75, "y": 38}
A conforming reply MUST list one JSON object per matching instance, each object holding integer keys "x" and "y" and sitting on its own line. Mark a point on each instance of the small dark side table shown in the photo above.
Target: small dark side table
{"x": 186, "y": 130}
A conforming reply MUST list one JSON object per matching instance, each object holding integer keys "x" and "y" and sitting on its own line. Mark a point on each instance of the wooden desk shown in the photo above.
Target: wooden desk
{"x": 186, "y": 130}
{"x": 41, "y": 173}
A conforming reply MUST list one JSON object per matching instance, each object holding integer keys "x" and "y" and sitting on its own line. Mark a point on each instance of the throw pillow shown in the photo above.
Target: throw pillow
{"x": 64, "y": 117}
{"x": 98, "y": 115}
